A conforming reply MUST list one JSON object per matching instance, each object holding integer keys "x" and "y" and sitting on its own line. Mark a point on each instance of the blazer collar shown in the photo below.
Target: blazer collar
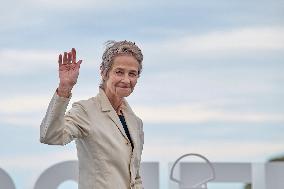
{"x": 106, "y": 105}
{"x": 129, "y": 116}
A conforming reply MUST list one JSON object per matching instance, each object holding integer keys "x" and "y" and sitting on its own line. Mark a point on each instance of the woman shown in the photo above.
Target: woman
{"x": 109, "y": 136}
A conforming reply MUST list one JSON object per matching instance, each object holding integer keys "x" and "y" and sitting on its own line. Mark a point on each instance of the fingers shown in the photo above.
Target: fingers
{"x": 73, "y": 55}
{"x": 60, "y": 59}
{"x": 69, "y": 58}
{"x": 65, "y": 58}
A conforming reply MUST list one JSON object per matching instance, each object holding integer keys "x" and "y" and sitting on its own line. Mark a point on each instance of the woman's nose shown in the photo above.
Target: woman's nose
{"x": 126, "y": 79}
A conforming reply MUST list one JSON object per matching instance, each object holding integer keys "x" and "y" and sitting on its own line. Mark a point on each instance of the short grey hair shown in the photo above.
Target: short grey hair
{"x": 117, "y": 48}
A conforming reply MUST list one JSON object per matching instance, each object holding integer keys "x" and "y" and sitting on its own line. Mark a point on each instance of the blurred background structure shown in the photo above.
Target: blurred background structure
{"x": 212, "y": 81}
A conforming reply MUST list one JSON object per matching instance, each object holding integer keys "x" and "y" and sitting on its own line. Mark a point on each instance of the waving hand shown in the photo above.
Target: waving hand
{"x": 68, "y": 72}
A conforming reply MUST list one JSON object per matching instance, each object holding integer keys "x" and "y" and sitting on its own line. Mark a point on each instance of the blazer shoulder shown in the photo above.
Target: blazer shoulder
{"x": 140, "y": 122}
{"x": 86, "y": 104}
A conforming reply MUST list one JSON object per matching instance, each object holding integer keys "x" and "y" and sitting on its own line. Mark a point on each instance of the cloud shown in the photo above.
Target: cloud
{"x": 33, "y": 6}
{"x": 187, "y": 114}
{"x": 27, "y": 103}
{"x": 32, "y": 120}
{"x": 38, "y": 161}
{"x": 239, "y": 39}
{"x": 214, "y": 150}
{"x": 22, "y": 103}
{"x": 94, "y": 5}
{"x": 27, "y": 9}
{"x": 17, "y": 61}
{"x": 227, "y": 43}
{"x": 222, "y": 43}
{"x": 28, "y": 111}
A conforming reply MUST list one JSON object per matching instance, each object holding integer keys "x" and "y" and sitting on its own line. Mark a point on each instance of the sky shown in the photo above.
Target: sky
{"x": 212, "y": 79}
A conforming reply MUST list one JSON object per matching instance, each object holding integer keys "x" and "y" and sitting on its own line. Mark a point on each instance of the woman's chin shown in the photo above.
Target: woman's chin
{"x": 124, "y": 92}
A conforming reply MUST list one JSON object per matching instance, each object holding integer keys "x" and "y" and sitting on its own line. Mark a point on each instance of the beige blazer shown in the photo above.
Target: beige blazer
{"x": 106, "y": 160}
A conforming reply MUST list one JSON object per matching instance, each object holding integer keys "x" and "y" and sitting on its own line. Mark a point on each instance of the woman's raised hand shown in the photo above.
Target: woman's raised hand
{"x": 68, "y": 72}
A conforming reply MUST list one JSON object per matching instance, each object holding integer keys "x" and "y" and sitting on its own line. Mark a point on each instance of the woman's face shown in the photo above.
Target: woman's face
{"x": 122, "y": 76}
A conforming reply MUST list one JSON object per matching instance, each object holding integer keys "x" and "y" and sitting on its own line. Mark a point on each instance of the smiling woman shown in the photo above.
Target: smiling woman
{"x": 102, "y": 126}
{"x": 121, "y": 79}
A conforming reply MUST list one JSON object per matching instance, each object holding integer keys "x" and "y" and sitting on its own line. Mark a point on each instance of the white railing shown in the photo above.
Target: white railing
{"x": 194, "y": 181}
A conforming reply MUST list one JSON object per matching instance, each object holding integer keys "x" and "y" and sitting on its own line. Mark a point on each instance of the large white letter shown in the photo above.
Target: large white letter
{"x": 6, "y": 181}
{"x": 52, "y": 177}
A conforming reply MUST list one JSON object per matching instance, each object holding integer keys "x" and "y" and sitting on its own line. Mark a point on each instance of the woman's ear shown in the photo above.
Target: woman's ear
{"x": 104, "y": 75}
{"x": 102, "y": 72}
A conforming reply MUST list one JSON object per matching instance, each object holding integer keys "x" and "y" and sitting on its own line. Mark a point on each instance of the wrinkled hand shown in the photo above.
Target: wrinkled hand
{"x": 68, "y": 72}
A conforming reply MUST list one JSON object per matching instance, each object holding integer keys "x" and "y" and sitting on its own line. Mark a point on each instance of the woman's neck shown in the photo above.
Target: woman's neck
{"x": 115, "y": 101}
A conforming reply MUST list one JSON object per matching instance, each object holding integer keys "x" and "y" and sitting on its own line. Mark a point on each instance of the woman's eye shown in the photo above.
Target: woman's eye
{"x": 119, "y": 72}
{"x": 132, "y": 74}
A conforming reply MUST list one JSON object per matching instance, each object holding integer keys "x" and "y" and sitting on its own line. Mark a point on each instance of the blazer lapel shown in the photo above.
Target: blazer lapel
{"x": 108, "y": 109}
{"x": 114, "y": 117}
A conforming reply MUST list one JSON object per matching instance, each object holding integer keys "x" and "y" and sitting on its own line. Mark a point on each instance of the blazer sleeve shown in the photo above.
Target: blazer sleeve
{"x": 58, "y": 128}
